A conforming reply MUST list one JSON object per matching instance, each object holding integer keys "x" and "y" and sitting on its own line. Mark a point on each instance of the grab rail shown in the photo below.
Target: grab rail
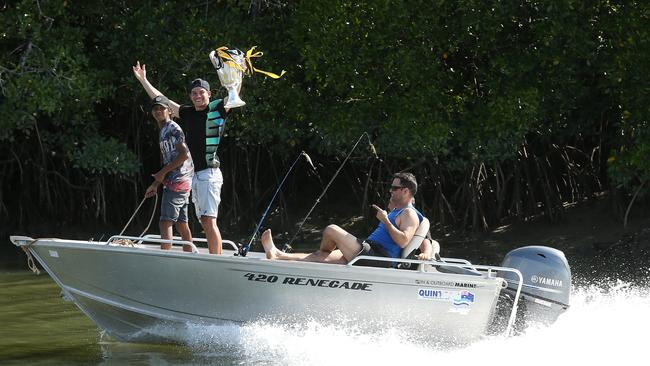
{"x": 200, "y": 240}
{"x": 455, "y": 260}
{"x": 153, "y": 240}
{"x": 489, "y": 269}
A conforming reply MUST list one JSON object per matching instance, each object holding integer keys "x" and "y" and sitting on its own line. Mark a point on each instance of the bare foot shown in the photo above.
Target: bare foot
{"x": 269, "y": 247}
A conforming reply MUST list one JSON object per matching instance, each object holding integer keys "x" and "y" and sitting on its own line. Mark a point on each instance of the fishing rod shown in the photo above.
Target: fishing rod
{"x": 374, "y": 152}
{"x": 136, "y": 211}
{"x": 243, "y": 250}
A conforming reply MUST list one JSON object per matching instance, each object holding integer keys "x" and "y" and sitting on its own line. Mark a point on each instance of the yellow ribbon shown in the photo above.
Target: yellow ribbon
{"x": 227, "y": 59}
{"x": 250, "y": 54}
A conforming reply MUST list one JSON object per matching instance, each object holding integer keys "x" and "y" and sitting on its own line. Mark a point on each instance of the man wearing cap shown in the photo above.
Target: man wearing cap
{"x": 204, "y": 123}
{"x": 175, "y": 175}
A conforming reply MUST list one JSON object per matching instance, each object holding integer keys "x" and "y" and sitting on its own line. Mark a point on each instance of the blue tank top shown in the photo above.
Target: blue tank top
{"x": 382, "y": 237}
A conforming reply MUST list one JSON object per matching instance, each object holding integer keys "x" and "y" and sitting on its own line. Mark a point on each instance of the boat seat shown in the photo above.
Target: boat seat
{"x": 421, "y": 233}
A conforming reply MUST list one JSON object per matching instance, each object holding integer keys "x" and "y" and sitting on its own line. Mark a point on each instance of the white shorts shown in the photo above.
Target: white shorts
{"x": 206, "y": 192}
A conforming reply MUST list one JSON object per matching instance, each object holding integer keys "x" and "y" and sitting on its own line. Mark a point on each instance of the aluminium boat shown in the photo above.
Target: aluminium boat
{"x": 136, "y": 292}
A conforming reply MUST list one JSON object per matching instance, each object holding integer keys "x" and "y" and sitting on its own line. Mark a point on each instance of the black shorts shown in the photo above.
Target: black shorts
{"x": 374, "y": 249}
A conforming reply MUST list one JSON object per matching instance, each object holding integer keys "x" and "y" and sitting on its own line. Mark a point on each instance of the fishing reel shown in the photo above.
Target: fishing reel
{"x": 242, "y": 250}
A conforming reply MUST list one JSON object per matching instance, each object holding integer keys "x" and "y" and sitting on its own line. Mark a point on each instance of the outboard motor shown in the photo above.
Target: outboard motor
{"x": 547, "y": 282}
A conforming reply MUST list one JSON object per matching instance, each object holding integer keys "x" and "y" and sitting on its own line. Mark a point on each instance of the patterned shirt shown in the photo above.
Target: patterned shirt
{"x": 179, "y": 179}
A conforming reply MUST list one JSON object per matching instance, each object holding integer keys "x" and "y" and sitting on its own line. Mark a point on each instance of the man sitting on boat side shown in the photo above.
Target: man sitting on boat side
{"x": 394, "y": 231}
{"x": 175, "y": 175}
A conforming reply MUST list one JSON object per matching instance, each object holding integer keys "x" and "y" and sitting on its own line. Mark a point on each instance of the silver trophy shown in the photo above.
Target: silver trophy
{"x": 230, "y": 75}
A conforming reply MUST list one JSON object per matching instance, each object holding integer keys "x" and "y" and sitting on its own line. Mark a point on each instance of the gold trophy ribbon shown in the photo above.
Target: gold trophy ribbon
{"x": 250, "y": 54}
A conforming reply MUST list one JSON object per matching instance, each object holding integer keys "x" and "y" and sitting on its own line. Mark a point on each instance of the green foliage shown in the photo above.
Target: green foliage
{"x": 48, "y": 83}
{"x": 628, "y": 37}
{"x": 534, "y": 95}
{"x": 105, "y": 156}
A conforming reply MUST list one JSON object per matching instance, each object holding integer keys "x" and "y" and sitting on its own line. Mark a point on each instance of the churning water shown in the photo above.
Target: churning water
{"x": 606, "y": 324}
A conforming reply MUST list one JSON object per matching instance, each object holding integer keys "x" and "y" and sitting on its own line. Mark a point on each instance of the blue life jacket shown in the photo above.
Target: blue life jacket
{"x": 382, "y": 237}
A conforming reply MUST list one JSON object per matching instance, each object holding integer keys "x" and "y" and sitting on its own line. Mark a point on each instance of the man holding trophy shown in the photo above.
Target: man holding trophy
{"x": 204, "y": 123}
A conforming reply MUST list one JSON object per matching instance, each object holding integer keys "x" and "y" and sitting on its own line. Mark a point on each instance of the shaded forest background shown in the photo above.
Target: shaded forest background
{"x": 505, "y": 111}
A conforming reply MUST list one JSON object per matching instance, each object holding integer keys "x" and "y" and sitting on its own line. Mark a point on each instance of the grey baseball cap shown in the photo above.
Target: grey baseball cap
{"x": 199, "y": 83}
{"x": 160, "y": 100}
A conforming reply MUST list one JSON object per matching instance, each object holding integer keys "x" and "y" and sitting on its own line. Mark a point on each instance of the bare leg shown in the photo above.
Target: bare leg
{"x": 166, "y": 233}
{"x": 274, "y": 253}
{"x": 334, "y": 257}
{"x": 335, "y": 237}
{"x": 317, "y": 256}
{"x": 212, "y": 233}
{"x": 184, "y": 229}
{"x": 269, "y": 246}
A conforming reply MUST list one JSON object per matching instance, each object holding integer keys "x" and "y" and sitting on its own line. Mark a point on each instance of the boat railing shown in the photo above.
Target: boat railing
{"x": 491, "y": 272}
{"x": 199, "y": 240}
{"x": 447, "y": 262}
{"x": 455, "y": 260}
{"x": 140, "y": 239}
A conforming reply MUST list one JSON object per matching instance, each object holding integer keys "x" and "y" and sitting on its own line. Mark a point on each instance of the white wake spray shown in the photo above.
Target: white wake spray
{"x": 605, "y": 325}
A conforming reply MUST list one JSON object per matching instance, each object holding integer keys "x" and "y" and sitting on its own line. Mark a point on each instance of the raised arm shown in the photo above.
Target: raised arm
{"x": 407, "y": 225}
{"x": 140, "y": 73}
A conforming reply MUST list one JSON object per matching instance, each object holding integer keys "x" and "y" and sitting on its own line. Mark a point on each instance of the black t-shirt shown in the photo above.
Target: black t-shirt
{"x": 194, "y": 124}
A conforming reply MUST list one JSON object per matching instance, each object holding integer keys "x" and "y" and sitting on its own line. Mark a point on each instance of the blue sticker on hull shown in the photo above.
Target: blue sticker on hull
{"x": 464, "y": 298}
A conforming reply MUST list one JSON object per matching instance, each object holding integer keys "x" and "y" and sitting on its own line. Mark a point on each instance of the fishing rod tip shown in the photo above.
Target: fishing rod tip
{"x": 373, "y": 150}
{"x": 308, "y": 160}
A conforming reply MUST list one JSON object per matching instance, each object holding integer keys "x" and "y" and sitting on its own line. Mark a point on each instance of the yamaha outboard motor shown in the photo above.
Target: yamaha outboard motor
{"x": 547, "y": 282}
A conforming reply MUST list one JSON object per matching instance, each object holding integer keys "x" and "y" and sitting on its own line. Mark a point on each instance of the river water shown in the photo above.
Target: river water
{"x": 606, "y": 324}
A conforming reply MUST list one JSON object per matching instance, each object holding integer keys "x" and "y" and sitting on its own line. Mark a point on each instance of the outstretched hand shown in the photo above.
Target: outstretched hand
{"x": 140, "y": 72}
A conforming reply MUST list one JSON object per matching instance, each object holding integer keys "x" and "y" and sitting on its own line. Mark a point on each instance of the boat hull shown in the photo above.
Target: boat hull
{"x": 146, "y": 294}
